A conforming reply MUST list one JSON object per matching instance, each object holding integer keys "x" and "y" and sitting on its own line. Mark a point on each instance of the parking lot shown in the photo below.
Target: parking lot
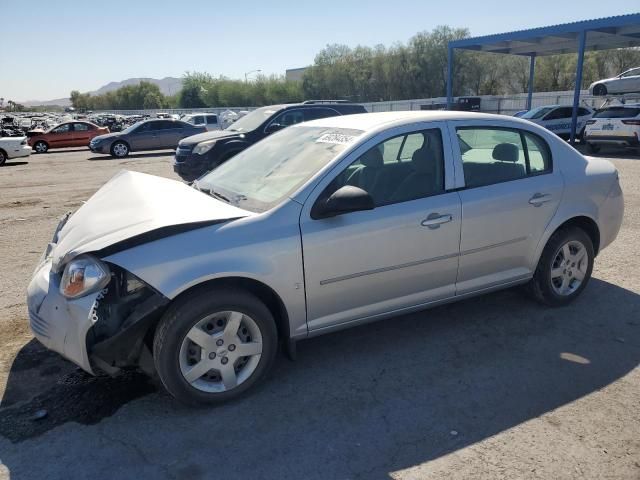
{"x": 492, "y": 387}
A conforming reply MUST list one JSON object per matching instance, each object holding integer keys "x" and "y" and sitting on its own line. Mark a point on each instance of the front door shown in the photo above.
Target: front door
{"x": 402, "y": 253}
{"x": 511, "y": 191}
{"x": 143, "y": 137}
{"x": 61, "y": 136}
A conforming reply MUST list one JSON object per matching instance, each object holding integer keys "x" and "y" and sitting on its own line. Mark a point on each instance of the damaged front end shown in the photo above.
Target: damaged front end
{"x": 123, "y": 314}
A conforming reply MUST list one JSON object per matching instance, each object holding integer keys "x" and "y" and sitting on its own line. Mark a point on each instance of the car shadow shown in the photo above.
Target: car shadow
{"x": 134, "y": 155}
{"x": 365, "y": 402}
{"x": 63, "y": 150}
{"x": 9, "y": 163}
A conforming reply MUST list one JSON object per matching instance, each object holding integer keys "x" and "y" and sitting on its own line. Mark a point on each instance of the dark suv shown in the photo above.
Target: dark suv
{"x": 200, "y": 153}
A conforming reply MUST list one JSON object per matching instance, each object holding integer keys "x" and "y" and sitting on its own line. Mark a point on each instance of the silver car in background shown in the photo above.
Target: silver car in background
{"x": 322, "y": 226}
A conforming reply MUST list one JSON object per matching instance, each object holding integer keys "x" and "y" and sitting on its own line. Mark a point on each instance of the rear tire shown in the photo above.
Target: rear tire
{"x": 119, "y": 149}
{"x": 564, "y": 268}
{"x": 599, "y": 90}
{"x": 199, "y": 330}
{"x": 41, "y": 146}
{"x": 3, "y": 157}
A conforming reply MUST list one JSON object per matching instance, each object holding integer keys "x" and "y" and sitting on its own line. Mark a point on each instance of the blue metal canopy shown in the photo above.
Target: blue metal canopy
{"x": 622, "y": 31}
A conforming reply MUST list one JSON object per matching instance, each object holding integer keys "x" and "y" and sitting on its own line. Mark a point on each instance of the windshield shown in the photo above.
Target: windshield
{"x": 253, "y": 120}
{"x": 263, "y": 175}
{"x": 537, "y": 112}
{"x": 617, "y": 112}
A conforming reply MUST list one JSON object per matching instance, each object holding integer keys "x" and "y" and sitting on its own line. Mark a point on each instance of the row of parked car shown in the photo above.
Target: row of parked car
{"x": 201, "y": 142}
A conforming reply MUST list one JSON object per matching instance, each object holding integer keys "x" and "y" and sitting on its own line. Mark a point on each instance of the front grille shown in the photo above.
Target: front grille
{"x": 38, "y": 325}
{"x": 185, "y": 149}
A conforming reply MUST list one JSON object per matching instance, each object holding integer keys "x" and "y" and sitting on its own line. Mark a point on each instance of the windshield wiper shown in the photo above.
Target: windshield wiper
{"x": 219, "y": 195}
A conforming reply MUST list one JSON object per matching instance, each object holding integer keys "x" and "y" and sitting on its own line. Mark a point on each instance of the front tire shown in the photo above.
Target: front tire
{"x": 41, "y": 146}
{"x": 564, "y": 268}
{"x": 119, "y": 149}
{"x": 212, "y": 346}
{"x": 3, "y": 157}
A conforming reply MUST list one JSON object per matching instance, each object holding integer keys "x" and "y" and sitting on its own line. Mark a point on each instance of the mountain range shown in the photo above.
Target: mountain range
{"x": 168, "y": 86}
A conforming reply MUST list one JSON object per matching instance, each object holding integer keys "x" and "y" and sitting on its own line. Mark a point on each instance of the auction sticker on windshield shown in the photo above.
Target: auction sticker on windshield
{"x": 339, "y": 138}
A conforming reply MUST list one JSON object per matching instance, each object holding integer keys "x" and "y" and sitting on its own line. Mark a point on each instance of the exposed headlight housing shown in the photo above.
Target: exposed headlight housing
{"x": 84, "y": 275}
{"x": 204, "y": 147}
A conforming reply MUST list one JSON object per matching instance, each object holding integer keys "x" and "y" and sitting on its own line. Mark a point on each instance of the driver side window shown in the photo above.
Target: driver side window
{"x": 62, "y": 128}
{"x": 403, "y": 168}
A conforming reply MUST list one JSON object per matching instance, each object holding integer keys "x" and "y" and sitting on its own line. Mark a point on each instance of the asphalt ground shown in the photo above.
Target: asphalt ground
{"x": 492, "y": 387}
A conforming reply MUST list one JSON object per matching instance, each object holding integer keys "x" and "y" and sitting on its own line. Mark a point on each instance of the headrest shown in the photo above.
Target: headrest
{"x": 372, "y": 158}
{"x": 506, "y": 152}
{"x": 423, "y": 161}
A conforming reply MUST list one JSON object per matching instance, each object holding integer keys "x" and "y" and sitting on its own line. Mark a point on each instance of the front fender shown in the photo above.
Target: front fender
{"x": 264, "y": 247}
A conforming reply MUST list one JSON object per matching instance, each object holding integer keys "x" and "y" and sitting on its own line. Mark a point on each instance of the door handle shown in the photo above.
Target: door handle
{"x": 540, "y": 198}
{"x": 434, "y": 220}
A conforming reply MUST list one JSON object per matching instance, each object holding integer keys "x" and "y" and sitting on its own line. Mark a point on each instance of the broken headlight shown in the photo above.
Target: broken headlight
{"x": 83, "y": 275}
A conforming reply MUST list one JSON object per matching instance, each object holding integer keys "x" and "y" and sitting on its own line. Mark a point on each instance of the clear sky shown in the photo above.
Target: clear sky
{"x": 50, "y": 47}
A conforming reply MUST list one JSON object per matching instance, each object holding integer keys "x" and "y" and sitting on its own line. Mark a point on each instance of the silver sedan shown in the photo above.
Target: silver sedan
{"x": 322, "y": 226}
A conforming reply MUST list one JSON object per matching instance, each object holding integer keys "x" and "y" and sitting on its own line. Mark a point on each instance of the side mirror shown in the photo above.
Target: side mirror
{"x": 344, "y": 200}
{"x": 274, "y": 127}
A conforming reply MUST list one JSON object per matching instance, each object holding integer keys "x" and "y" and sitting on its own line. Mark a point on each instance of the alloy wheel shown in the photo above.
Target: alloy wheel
{"x": 221, "y": 351}
{"x": 569, "y": 268}
{"x": 120, "y": 149}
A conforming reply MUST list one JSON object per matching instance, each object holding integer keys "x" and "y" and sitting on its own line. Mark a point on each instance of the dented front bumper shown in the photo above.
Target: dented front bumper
{"x": 61, "y": 324}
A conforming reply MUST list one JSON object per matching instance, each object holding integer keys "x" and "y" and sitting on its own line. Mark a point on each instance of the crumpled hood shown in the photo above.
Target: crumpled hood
{"x": 132, "y": 204}
{"x": 214, "y": 134}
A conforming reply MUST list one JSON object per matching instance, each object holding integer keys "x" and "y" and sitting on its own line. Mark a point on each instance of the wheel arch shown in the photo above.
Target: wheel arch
{"x": 6, "y": 155}
{"x": 585, "y": 223}
{"x": 262, "y": 291}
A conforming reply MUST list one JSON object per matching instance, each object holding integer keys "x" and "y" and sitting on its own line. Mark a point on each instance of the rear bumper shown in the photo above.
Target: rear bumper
{"x": 611, "y": 213}
{"x": 625, "y": 140}
{"x": 58, "y": 323}
{"x": 19, "y": 152}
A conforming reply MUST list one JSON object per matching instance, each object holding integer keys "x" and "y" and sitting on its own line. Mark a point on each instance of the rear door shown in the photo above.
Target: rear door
{"x": 629, "y": 81}
{"x": 81, "y": 134}
{"x": 509, "y": 191}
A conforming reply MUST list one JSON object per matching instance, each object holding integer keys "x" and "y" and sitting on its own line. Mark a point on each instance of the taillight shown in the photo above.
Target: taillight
{"x": 590, "y": 122}
{"x": 631, "y": 122}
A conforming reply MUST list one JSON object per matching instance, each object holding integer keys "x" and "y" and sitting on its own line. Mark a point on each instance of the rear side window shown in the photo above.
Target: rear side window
{"x": 496, "y": 155}
{"x": 198, "y": 120}
{"x": 617, "y": 112}
{"x": 316, "y": 113}
{"x": 212, "y": 119}
{"x": 80, "y": 127}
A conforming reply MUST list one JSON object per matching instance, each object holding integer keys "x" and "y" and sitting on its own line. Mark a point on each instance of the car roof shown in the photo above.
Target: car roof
{"x": 374, "y": 121}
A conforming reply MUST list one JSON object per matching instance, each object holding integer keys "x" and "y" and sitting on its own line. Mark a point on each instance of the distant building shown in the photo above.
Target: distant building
{"x": 295, "y": 74}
